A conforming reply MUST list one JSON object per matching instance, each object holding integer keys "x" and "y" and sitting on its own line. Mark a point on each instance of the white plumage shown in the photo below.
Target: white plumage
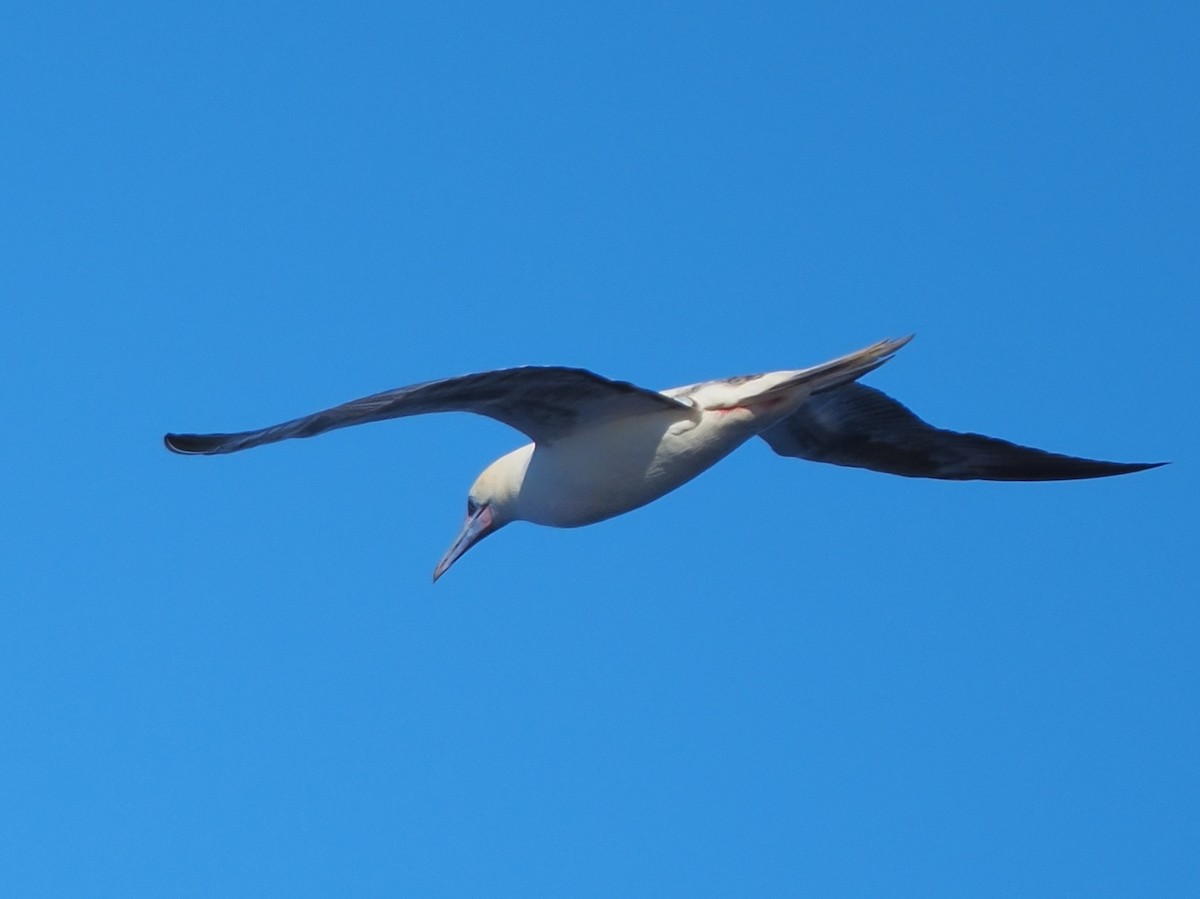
{"x": 602, "y": 447}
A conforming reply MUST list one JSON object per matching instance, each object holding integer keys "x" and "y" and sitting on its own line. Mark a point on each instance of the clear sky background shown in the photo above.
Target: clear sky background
{"x": 232, "y": 676}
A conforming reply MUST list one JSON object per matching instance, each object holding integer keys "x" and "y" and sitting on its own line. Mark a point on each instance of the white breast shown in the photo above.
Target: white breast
{"x": 600, "y": 472}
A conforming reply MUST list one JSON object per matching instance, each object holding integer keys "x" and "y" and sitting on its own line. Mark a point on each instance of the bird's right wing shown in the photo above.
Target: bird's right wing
{"x": 859, "y": 426}
{"x": 545, "y": 402}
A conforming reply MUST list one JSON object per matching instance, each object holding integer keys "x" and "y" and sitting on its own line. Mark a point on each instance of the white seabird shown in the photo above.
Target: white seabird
{"x": 601, "y": 447}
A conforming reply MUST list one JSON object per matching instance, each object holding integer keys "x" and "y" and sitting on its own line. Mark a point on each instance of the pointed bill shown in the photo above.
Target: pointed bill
{"x": 477, "y": 526}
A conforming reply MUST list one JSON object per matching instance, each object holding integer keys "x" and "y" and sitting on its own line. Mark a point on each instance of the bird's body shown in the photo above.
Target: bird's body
{"x": 601, "y": 448}
{"x": 602, "y": 471}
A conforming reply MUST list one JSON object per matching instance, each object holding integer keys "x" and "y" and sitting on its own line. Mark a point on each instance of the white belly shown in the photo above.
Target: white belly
{"x": 600, "y": 472}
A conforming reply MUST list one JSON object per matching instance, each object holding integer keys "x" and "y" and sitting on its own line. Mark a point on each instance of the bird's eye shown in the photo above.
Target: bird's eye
{"x": 472, "y": 506}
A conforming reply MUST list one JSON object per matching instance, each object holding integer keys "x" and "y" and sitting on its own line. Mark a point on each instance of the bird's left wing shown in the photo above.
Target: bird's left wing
{"x": 862, "y": 427}
{"x": 544, "y": 402}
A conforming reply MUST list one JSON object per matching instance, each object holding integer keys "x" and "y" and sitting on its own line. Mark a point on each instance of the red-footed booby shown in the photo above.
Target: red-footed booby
{"x": 602, "y": 447}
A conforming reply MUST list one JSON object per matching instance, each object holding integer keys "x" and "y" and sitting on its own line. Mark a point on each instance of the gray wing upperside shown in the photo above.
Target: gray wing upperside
{"x": 861, "y": 427}
{"x": 544, "y": 402}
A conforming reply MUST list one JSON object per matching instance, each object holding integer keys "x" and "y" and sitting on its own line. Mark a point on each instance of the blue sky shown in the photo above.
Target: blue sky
{"x": 232, "y": 676}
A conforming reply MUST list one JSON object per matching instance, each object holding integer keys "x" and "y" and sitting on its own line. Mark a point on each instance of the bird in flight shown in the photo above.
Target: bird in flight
{"x": 601, "y": 447}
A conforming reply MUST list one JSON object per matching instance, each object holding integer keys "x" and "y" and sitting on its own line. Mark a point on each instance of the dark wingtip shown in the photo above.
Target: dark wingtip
{"x": 187, "y": 444}
{"x": 1096, "y": 469}
{"x": 1145, "y": 466}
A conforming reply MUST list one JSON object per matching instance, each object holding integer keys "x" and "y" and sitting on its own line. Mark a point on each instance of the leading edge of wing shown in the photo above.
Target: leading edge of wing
{"x": 544, "y": 402}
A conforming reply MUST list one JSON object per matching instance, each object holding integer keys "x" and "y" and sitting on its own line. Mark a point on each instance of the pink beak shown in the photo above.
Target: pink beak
{"x": 474, "y": 529}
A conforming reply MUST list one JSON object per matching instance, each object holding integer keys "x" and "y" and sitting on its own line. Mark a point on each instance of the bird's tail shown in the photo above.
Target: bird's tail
{"x": 844, "y": 369}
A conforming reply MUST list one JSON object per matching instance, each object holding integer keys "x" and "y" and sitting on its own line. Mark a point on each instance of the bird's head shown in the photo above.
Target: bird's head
{"x": 491, "y": 504}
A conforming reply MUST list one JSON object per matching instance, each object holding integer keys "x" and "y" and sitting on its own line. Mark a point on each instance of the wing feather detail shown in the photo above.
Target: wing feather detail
{"x": 544, "y": 402}
{"x": 861, "y": 427}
